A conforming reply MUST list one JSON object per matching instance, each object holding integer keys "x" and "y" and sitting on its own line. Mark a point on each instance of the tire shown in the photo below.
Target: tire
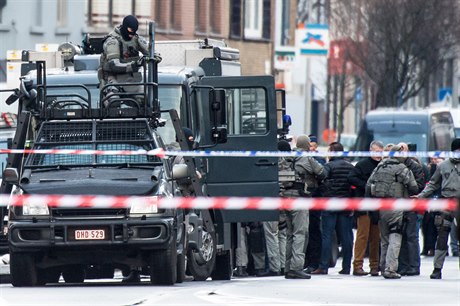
{"x": 22, "y": 269}
{"x": 223, "y": 269}
{"x": 48, "y": 276}
{"x": 74, "y": 274}
{"x": 201, "y": 266}
{"x": 163, "y": 265}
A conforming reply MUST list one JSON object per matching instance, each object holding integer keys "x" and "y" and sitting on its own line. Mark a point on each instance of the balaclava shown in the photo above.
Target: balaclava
{"x": 454, "y": 147}
{"x": 128, "y": 22}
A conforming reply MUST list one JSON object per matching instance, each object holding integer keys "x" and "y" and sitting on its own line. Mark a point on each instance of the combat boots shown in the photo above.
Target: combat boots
{"x": 391, "y": 275}
{"x": 436, "y": 274}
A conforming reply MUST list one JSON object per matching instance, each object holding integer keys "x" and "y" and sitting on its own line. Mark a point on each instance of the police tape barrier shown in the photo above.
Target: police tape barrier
{"x": 162, "y": 153}
{"x": 231, "y": 203}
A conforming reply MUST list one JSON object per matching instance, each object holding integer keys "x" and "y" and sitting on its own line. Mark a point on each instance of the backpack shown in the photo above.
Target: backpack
{"x": 384, "y": 182}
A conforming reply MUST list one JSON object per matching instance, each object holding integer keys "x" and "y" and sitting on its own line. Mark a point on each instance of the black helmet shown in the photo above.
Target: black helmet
{"x": 129, "y": 22}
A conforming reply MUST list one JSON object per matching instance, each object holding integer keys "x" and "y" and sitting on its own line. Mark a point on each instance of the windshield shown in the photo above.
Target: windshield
{"x": 420, "y": 139}
{"x": 115, "y": 135}
{"x": 78, "y": 159}
{"x": 72, "y": 96}
{"x": 170, "y": 97}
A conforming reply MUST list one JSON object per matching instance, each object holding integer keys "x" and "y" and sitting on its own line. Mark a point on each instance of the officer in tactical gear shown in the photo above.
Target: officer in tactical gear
{"x": 307, "y": 173}
{"x": 446, "y": 177}
{"x": 275, "y": 231}
{"x": 409, "y": 256}
{"x": 391, "y": 179}
{"x": 120, "y": 60}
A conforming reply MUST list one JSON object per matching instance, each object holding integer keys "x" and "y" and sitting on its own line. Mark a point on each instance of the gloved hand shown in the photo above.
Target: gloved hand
{"x": 142, "y": 60}
{"x": 134, "y": 67}
{"x": 157, "y": 58}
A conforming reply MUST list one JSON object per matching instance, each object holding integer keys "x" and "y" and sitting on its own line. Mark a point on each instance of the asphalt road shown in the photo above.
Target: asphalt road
{"x": 332, "y": 289}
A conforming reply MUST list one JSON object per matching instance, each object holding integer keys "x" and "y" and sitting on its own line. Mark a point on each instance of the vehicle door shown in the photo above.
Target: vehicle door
{"x": 251, "y": 125}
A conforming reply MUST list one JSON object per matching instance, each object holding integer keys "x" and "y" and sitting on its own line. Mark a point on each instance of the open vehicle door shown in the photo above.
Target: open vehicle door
{"x": 244, "y": 111}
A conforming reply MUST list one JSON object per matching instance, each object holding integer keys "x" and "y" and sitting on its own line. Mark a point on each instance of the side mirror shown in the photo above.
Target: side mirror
{"x": 13, "y": 97}
{"x": 180, "y": 171}
{"x": 218, "y": 109}
{"x": 11, "y": 175}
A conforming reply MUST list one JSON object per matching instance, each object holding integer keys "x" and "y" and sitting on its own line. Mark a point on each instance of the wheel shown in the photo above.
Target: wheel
{"x": 163, "y": 265}
{"x": 74, "y": 274}
{"x": 223, "y": 269}
{"x": 200, "y": 264}
{"x": 48, "y": 276}
{"x": 22, "y": 270}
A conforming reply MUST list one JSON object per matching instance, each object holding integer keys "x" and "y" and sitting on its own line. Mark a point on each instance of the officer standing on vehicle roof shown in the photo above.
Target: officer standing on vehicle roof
{"x": 120, "y": 60}
{"x": 446, "y": 176}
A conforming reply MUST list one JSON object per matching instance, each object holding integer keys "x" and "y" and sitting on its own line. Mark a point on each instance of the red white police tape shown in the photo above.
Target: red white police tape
{"x": 162, "y": 153}
{"x": 86, "y": 201}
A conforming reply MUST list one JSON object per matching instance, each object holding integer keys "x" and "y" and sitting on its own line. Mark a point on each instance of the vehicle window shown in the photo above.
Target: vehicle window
{"x": 114, "y": 159}
{"x": 247, "y": 111}
{"x": 72, "y": 97}
{"x": 3, "y": 157}
{"x": 170, "y": 98}
{"x": 420, "y": 139}
{"x": 73, "y": 159}
{"x": 63, "y": 159}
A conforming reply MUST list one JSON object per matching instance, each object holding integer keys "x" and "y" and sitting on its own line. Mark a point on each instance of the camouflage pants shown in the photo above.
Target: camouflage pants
{"x": 296, "y": 244}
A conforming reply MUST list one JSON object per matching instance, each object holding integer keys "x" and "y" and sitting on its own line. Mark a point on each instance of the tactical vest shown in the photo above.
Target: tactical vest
{"x": 288, "y": 177}
{"x": 125, "y": 51}
{"x": 384, "y": 182}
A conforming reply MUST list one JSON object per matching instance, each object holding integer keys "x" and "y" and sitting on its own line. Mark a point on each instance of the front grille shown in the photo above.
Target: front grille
{"x": 85, "y": 213}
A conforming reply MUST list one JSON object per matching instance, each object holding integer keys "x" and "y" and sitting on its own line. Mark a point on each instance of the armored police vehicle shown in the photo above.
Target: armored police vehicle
{"x": 62, "y": 108}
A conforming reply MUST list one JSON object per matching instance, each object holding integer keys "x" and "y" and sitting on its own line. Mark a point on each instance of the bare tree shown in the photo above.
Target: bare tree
{"x": 398, "y": 43}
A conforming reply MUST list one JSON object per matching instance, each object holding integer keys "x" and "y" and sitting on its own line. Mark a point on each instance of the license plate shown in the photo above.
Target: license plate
{"x": 95, "y": 234}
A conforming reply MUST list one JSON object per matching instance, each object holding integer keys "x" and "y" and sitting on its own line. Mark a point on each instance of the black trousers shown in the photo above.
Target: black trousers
{"x": 313, "y": 253}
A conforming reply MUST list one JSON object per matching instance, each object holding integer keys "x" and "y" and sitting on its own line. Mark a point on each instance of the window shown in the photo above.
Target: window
{"x": 39, "y": 13}
{"x": 247, "y": 111}
{"x": 200, "y": 16}
{"x": 171, "y": 97}
{"x": 2, "y": 5}
{"x": 174, "y": 15}
{"x": 215, "y": 16}
{"x": 159, "y": 14}
{"x": 253, "y": 13}
{"x": 62, "y": 13}
{"x": 2, "y": 70}
{"x": 235, "y": 19}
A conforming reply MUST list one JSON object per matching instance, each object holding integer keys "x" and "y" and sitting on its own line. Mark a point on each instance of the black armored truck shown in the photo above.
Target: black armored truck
{"x": 63, "y": 108}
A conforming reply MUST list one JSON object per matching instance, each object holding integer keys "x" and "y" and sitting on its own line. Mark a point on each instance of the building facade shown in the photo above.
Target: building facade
{"x": 247, "y": 25}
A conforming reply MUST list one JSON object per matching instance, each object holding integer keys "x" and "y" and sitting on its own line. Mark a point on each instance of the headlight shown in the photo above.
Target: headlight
{"x": 35, "y": 209}
{"x": 142, "y": 207}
